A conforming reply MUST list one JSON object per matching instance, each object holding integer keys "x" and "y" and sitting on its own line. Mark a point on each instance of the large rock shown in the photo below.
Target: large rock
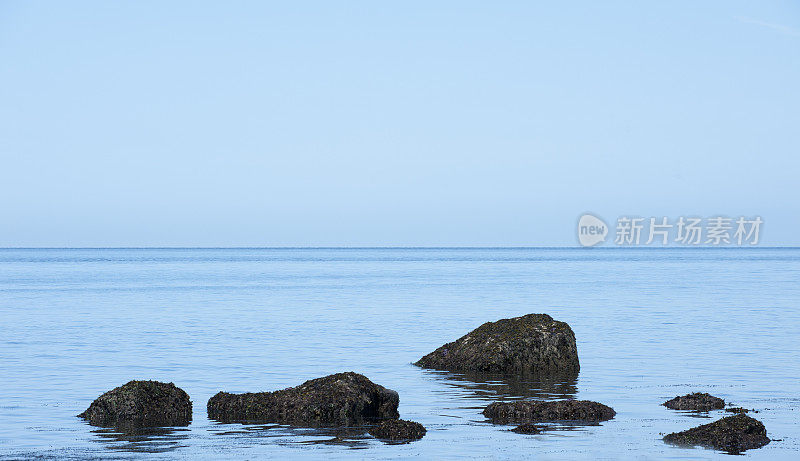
{"x": 343, "y": 399}
{"x": 142, "y": 404}
{"x": 398, "y": 429}
{"x": 698, "y": 401}
{"x": 529, "y": 411}
{"x": 732, "y": 434}
{"x": 533, "y": 343}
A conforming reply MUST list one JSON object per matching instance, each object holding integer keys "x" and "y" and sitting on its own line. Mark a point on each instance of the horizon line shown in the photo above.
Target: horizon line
{"x": 488, "y": 247}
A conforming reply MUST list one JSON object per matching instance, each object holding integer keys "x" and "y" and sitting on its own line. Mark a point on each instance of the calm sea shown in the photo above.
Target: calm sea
{"x": 650, "y": 323}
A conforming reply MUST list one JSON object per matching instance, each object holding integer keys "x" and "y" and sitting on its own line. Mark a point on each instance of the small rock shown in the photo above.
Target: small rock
{"x": 732, "y": 434}
{"x": 398, "y": 429}
{"x": 524, "y": 411}
{"x": 342, "y": 399}
{"x": 738, "y": 410}
{"x": 141, "y": 404}
{"x": 527, "y": 428}
{"x": 698, "y": 401}
{"x": 533, "y": 343}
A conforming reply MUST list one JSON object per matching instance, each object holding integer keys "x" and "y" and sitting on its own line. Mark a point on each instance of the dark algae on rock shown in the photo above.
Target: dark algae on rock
{"x": 732, "y": 434}
{"x": 698, "y": 401}
{"x": 529, "y": 411}
{"x": 533, "y": 343}
{"x": 739, "y": 410}
{"x": 397, "y": 430}
{"x": 141, "y": 404}
{"x": 342, "y": 399}
{"x": 527, "y": 428}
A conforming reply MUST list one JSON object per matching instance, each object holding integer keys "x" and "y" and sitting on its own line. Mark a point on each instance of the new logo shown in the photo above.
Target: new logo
{"x": 591, "y": 230}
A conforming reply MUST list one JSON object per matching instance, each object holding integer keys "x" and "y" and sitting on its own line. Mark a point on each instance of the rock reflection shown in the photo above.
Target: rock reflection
{"x": 491, "y": 386}
{"x": 351, "y": 437}
{"x": 142, "y": 439}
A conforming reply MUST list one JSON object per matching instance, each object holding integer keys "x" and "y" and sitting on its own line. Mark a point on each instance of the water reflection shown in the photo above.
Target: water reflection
{"x": 493, "y": 386}
{"x": 350, "y": 437}
{"x": 142, "y": 439}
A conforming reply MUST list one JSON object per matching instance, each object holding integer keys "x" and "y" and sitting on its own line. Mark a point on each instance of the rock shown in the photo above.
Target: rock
{"x": 527, "y": 428}
{"x": 528, "y": 411}
{"x": 141, "y": 404}
{"x": 698, "y": 401}
{"x": 739, "y": 410}
{"x": 398, "y": 429}
{"x": 732, "y": 434}
{"x": 533, "y": 343}
{"x": 342, "y": 399}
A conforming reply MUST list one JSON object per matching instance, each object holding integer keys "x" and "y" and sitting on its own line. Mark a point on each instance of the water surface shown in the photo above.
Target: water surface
{"x": 650, "y": 324}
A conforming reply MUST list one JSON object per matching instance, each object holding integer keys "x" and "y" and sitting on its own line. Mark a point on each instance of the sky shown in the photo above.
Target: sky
{"x": 413, "y": 123}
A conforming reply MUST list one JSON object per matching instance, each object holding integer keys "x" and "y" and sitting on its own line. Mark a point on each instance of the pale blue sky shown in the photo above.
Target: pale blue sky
{"x": 391, "y": 123}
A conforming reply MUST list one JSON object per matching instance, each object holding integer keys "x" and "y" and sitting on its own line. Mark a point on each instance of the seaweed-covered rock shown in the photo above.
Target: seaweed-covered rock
{"x": 529, "y": 411}
{"x": 698, "y": 401}
{"x": 739, "y": 410}
{"x": 732, "y": 434}
{"x": 533, "y": 343}
{"x": 141, "y": 404}
{"x": 527, "y": 428}
{"x": 342, "y": 399}
{"x": 398, "y": 429}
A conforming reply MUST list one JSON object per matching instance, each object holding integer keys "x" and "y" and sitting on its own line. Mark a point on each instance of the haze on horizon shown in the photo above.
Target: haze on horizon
{"x": 391, "y": 123}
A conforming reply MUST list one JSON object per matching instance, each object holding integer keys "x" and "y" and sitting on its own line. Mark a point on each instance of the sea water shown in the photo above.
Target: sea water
{"x": 650, "y": 324}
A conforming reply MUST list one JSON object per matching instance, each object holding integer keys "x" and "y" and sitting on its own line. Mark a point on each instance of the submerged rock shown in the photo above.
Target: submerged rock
{"x": 398, "y": 429}
{"x": 698, "y": 401}
{"x": 142, "y": 404}
{"x": 533, "y": 343}
{"x": 528, "y": 411}
{"x": 739, "y": 410}
{"x": 527, "y": 428}
{"x": 732, "y": 434}
{"x": 342, "y": 399}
